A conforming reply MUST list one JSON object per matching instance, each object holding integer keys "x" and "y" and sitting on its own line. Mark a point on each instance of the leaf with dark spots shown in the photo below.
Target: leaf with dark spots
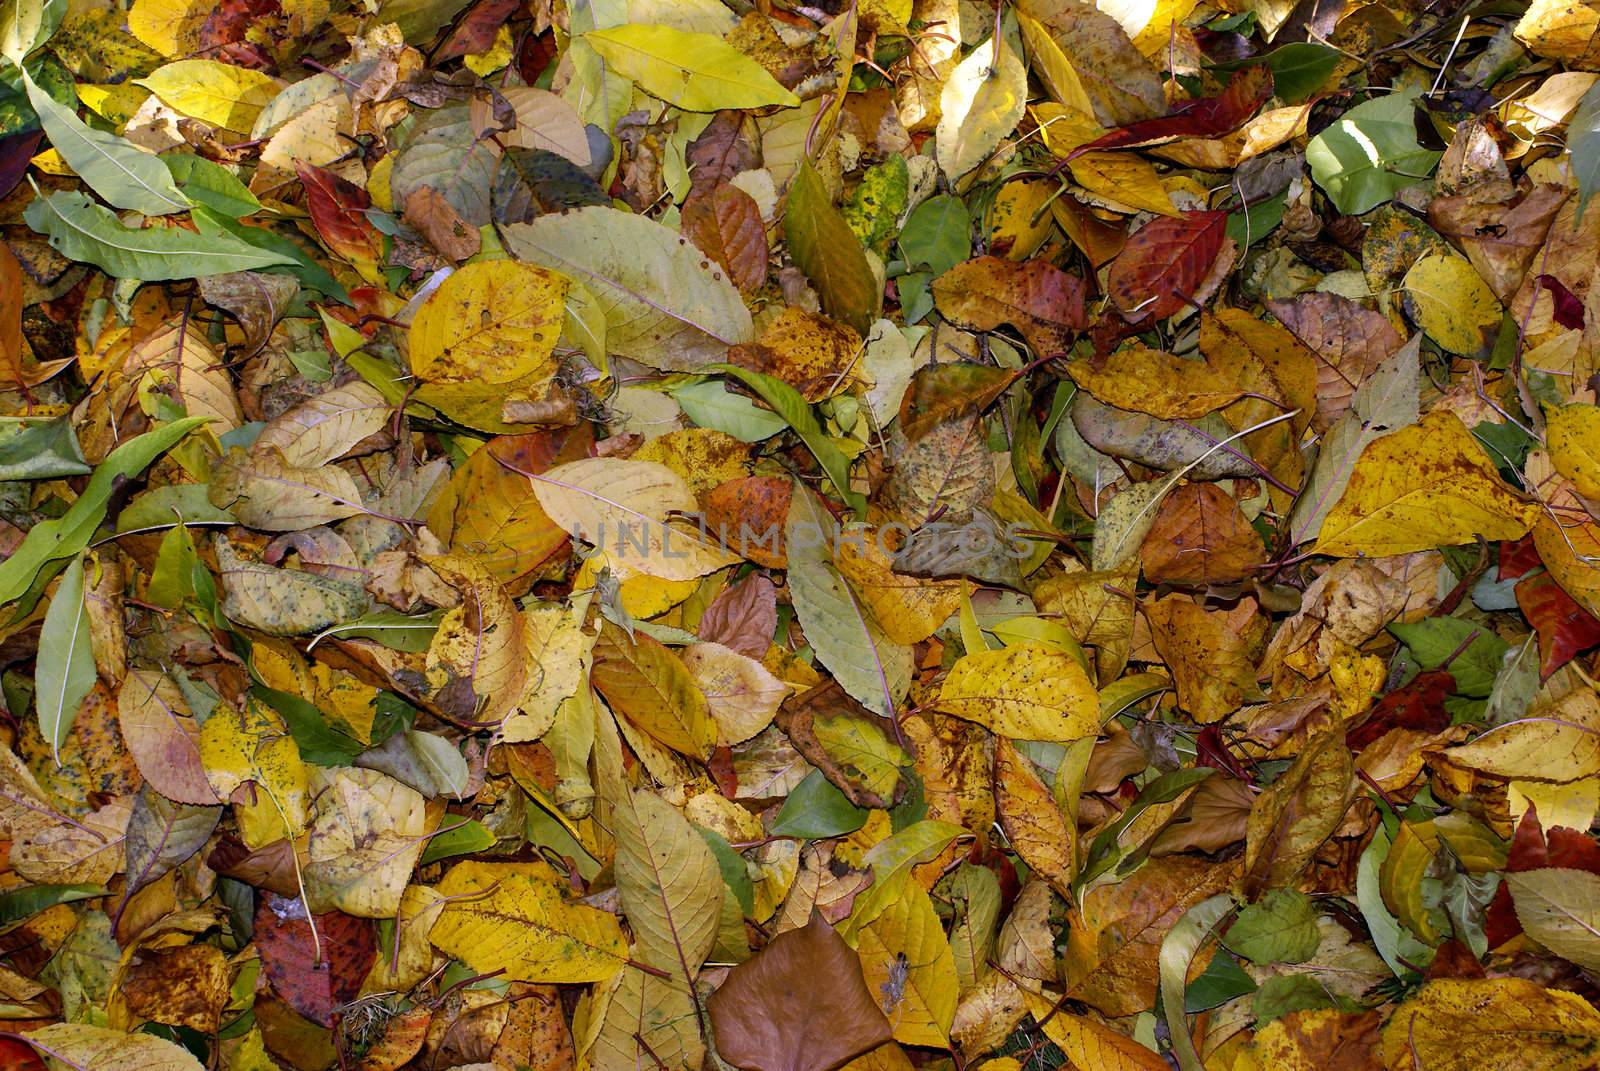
{"x": 531, "y": 182}
{"x": 315, "y": 975}
{"x": 1040, "y": 300}
{"x": 726, "y": 225}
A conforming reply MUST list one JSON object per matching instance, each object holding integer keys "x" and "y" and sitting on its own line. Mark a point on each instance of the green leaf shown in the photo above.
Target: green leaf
{"x": 19, "y": 905}
{"x": 442, "y": 760}
{"x": 1371, "y": 153}
{"x": 735, "y": 875}
{"x": 1583, "y": 142}
{"x": 318, "y": 741}
{"x": 1281, "y": 928}
{"x": 1298, "y": 70}
{"x": 211, "y": 184}
{"x": 64, "y": 536}
{"x": 1178, "y": 949}
{"x": 817, "y": 809}
{"x": 803, "y": 419}
{"x": 116, "y": 169}
{"x": 393, "y": 629}
{"x": 296, "y": 261}
{"x": 937, "y": 235}
{"x": 828, "y": 252}
{"x": 847, "y": 639}
{"x": 79, "y": 229}
{"x": 66, "y": 659}
{"x": 698, "y": 72}
{"x": 163, "y": 507}
{"x": 1434, "y": 640}
{"x": 27, "y": 24}
{"x": 711, "y": 405}
{"x": 33, "y": 448}
{"x": 464, "y": 839}
{"x": 1222, "y": 980}
{"x": 1287, "y": 993}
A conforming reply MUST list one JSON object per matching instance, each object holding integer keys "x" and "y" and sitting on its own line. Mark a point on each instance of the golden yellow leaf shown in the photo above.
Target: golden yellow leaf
{"x": 1429, "y": 485}
{"x": 218, "y": 93}
{"x": 1026, "y": 692}
{"x": 513, "y": 917}
{"x": 254, "y": 745}
{"x": 1034, "y": 825}
{"x": 1087, "y": 1043}
{"x": 1510, "y": 1024}
{"x": 486, "y": 335}
{"x": 1449, "y": 300}
{"x": 910, "y": 969}
{"x": 1572, "y": 435}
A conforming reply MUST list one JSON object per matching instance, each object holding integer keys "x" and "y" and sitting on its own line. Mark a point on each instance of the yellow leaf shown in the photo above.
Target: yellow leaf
{"x": 513, "y": 917}
{"x": 698, "y": 72}
{"x": 254, "y": 745}
{"x": 981, "y": 103}
{"x": 171, "y": 27}
{"x": 1562, "y": 30}
{"x": 1144, "y": 380}
{"x": 623, "y": 507}
{"x": 908, "y": 966}
{"x": 1034, "y": 825}
{"x": 217, "y": 93}
{"x": 1449, "y": 300}
{"x": 1559, "y": 741}
{"x": 477, "y": 662}
{"x": 79, "y": 1045}
{"x": 1572, "y": 434}
{"x": 1426, "y": 486}
{"x": 1119, "y": 177}
{"x": 1052, "y": 66}
{"x": 1026, "y": 692}
{"x": 742, "y": 695}
{"x": 1087, "y": 1043}
{"x": 488, "y": 334}
{"x": 558, "y": 658}
{"x": 1509, "y": 1024}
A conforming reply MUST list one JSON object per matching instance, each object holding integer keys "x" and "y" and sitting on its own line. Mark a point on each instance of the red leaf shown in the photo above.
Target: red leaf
{"x": 1417, "y": 705}
{"x": 1517, "y": 558}
{"x": 1164, "y": 261}
{"x": 222, "y": 35}
{"x": 477, "y": 28}
{"x": 1564, "y": 627}
{"x": 1568, "y": 310}
{"x": 1533, "y": 849}
{"x": 18, "y": 1056}
{"x": 313, "y": 986}
{"x": 338, "y": 208}
{"x": 1208, "y": 117}
{"x": 15, "y": 152}
{"x": 726, "y": 225}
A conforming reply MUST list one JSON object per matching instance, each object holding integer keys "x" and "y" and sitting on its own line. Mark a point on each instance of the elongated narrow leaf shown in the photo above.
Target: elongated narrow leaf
{"x": 79, "y": 229}
{"x": 116, "y": 169}
{"x": 66, "y": 659}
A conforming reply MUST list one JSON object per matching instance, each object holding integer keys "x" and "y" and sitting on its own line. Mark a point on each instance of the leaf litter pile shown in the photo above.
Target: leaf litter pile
{"x": 655, "y": 534}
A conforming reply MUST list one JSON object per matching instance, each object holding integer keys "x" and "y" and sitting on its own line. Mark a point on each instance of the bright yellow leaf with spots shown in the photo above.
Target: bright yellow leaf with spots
{"x": 514, "y": 917}
{"x": 253, "y": 745}
{"x": 1119, "y": 177}
{"x": 1429, "y": 485}
{"x": 697, "y": 72}
{"x": 1026, "y": 692}
{"x": 1509, "y": 1024}
{"x": 1448, "y": 299}
{"x": 488, "y": 336}
{"x": 1572, "y": 434}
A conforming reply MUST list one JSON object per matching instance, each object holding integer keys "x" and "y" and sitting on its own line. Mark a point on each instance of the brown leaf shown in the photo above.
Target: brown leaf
{"x": 1349, "y": 341}
{"x": 768, "y": 1012}
{"x": 1038, "y": 299}
{"x": 808, "y": 351}
{"x": 726, "y": 225}
{"x": 429, "y": 212}
{"x": 1200, "y": 537}
{"x": 743, "y": 617}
